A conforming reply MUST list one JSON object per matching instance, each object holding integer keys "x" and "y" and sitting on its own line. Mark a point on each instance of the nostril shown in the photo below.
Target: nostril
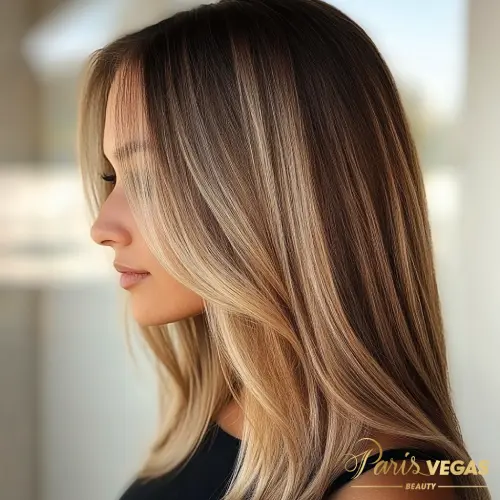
{"x": 110, "y": 233}
{"x": 98, "y": 236}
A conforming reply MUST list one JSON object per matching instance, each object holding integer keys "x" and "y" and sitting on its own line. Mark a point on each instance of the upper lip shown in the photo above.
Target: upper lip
{"x": 125, "y": 269}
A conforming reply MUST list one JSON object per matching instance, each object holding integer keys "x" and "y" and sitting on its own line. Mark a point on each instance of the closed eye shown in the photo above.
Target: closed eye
{"x": 109, "y": 178}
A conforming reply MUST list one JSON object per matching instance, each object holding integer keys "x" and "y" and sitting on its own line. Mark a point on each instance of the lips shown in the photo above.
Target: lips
{"x": 125, "y": 269}
{"x": 129, "y": 275}
{"x": 129, "y": 279}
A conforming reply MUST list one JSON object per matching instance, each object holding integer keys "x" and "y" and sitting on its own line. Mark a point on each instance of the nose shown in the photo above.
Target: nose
{"x": 109, "y": 235}
{"x": 110, "y": 228}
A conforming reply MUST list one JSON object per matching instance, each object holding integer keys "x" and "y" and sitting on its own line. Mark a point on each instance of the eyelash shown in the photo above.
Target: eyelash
{"x": 109, "y": 178}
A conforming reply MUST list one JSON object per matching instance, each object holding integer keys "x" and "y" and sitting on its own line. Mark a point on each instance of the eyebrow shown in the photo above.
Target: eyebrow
{"x": 126, "y": 150}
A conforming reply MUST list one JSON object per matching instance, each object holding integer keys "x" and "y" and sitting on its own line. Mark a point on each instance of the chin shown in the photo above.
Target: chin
{"x": 146, "y": 317}
{"x": 161, "y": 307}
{"x": 143, "y": 319}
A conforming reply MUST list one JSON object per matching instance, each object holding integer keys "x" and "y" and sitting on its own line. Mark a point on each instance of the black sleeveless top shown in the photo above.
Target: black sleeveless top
{"x": 206, "y": 475}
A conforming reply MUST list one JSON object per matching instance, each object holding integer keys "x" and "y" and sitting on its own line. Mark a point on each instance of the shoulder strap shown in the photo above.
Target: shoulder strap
{"x": 394, "y": 453}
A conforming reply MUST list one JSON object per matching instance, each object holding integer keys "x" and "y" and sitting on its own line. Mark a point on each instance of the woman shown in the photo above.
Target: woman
{"x": 251, "y": 166}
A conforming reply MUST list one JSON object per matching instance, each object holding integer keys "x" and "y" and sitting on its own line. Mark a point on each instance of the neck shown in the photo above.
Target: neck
{"x": 230, "y": 419}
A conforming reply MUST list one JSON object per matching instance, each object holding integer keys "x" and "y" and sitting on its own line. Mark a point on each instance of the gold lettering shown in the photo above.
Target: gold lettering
{"x": 418, "y": 471}
{"x": 445, "y": 468}
{"x": 382, "y": 467}
{"x": 420, "y": 486}
{"x": 365, "y": 455}
{"x": 433, "y": 467}
{"x": 483, "y": 467}
{"x": 471, "y": 468}
{"x": 414, "y": 462}
{"x": 457, "y": 467}
{"x": 401, "y": 466}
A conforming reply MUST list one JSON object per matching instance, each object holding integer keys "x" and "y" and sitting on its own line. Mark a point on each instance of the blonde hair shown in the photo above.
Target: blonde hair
{"x": 281, "y": 184}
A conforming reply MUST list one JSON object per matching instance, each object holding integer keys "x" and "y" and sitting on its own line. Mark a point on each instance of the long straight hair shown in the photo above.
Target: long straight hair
{"x": 281, "y": 184}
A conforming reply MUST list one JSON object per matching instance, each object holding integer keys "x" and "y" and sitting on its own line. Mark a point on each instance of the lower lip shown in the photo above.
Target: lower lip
{"x": 129, "y": 279}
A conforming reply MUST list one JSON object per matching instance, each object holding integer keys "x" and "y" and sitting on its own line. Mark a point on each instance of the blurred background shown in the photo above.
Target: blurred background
{"x": 76, "y": 412}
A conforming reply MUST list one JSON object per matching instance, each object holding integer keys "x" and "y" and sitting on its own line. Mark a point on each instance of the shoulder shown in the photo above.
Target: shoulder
{"x": 371, "y": 486}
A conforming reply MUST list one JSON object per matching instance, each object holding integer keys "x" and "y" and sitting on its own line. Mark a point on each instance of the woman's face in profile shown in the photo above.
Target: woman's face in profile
{"x": 157, "y": 298}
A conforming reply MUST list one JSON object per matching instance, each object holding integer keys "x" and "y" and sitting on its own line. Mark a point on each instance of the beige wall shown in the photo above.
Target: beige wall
{"x": 18, "y": 389}
{"x": 21, "y": 143}
{"x": 480, "y": 240}
{"x": 19, "y": 117}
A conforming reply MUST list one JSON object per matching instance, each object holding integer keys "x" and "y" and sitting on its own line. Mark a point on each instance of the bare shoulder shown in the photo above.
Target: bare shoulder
{"x": 370, "y": 486}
